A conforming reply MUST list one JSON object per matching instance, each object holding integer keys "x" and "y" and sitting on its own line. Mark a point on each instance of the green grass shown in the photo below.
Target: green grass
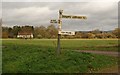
{"x": 39, "y": 56}
{"x": 108, "y": 45}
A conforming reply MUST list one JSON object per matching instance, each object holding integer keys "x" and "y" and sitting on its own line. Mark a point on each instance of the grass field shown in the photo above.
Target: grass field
{"x": 72, "y": 44}
{"x": 39, "y": 56}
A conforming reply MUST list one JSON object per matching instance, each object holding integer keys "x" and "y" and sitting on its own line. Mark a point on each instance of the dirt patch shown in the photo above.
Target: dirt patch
{"x": 113, "y": 69}
{"x": 109, "y": 53}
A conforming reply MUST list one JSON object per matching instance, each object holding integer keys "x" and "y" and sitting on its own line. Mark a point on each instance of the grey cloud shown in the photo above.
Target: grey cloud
{"x": 13, "y": 5}
{"x": 60, "y": 0}
{"x": 98, "y": 14}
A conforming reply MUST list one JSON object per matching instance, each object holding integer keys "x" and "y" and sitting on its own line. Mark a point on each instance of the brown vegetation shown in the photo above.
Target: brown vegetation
{"x": 50, "y": 32}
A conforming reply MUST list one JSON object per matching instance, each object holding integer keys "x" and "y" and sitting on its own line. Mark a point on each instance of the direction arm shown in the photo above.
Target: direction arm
{"x": 74, "y": 17}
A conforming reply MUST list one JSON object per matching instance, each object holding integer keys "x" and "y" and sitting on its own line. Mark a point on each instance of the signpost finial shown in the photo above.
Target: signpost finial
{"x": 60, "y": 12}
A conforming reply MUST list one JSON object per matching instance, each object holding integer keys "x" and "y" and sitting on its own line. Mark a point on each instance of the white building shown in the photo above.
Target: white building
{"x": 25, "y": 35}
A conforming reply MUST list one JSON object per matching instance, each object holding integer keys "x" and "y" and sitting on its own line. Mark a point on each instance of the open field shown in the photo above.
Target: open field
{"x": 39, "y": 56}
{"x": 71, "y": 44}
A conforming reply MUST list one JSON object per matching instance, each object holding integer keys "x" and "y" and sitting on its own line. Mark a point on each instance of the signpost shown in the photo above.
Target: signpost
{"x": 60, "y": 32}
{"x": 53, "y": 21}
{"x": 74, "y": 17}
{"x": 67, "y": 33}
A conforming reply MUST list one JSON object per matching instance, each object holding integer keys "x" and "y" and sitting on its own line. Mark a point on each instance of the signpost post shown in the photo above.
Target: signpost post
{"x": 59, "y": 31}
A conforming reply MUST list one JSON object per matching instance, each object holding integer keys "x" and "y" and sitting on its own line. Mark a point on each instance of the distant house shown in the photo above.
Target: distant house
{"x": 25, "y": 35}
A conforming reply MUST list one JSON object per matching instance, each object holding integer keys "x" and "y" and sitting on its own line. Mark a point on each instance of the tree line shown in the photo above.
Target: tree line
{"x": 38, "y": 32}
{"x": 50, "y": 32}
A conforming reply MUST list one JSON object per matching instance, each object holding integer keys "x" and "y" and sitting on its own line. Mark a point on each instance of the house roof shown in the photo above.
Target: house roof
{"x": 25, "y": 33}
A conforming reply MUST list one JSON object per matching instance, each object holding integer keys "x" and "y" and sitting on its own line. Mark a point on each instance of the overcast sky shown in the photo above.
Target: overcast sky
{"x": 100, "y": 15}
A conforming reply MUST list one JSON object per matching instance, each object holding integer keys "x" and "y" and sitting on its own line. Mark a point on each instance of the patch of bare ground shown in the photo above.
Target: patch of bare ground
{"x": 113, "y": 69}
{"x": 109, "y": 53}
